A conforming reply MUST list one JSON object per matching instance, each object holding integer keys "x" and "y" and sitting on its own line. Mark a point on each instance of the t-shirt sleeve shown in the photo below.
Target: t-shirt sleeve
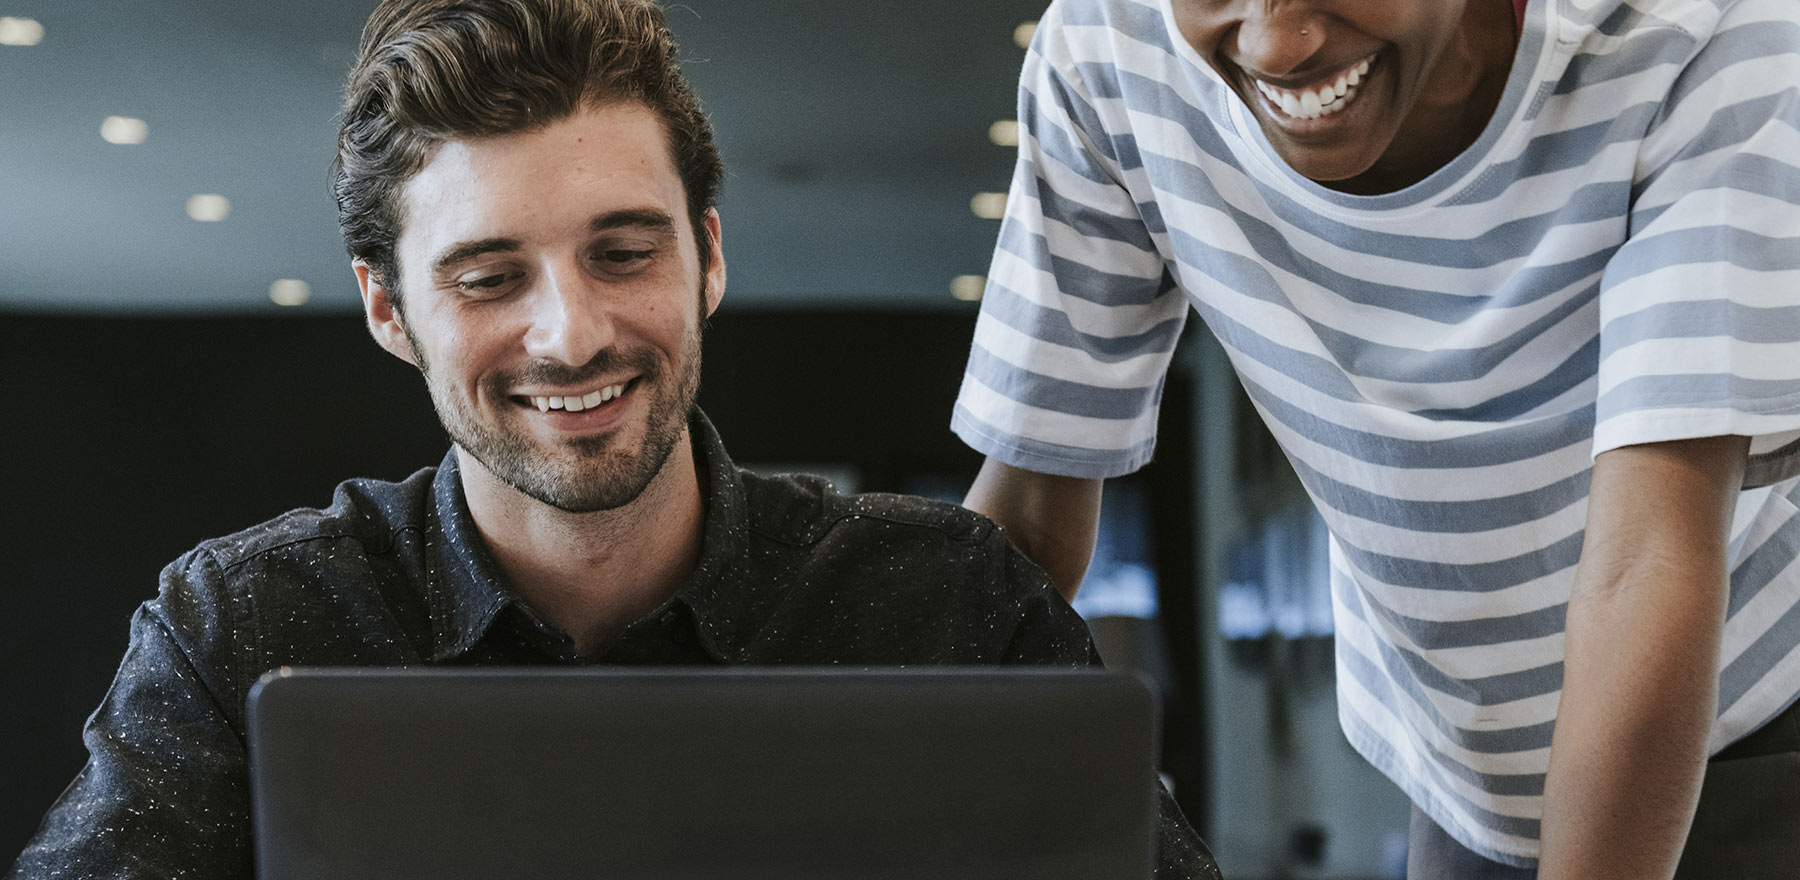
{"x": 1080, "y": 315}
{"x": 1700, "y": 308}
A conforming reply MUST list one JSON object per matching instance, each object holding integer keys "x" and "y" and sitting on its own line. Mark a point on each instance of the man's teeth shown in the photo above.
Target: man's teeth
{"x": 1323, "y": 101}
{"x": 574, "y": 403}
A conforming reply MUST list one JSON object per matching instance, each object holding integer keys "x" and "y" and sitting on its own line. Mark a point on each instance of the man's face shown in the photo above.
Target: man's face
{"x": 553, "y": 300}
{"x": 1332, "y": 82}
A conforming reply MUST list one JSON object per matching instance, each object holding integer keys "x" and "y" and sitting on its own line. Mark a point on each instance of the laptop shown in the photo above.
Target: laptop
{"x": 359, "y": 774}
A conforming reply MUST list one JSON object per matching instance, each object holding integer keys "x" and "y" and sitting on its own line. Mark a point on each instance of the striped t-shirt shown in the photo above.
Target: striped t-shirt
{"x": 1615, "y": 261}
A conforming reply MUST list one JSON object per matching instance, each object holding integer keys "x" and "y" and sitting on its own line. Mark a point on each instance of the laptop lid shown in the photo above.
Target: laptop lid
{"x": 675, "y": 774}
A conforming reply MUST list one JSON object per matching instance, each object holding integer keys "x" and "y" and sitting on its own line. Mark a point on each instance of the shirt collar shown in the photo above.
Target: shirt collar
{"x": 466, "y": 590}
{"x": 464, "y": 585}
{"x": 716, "y": 590}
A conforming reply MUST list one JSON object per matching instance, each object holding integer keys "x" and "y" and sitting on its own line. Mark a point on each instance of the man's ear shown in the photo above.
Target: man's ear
{"x": 383, "y": 317}
{"x": 715, "y": 266}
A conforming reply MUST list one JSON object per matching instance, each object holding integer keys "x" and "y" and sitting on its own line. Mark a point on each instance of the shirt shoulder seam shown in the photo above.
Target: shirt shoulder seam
{"x": 382, "y": 549}
{"x": 156, "y": 613}
{"x": 971, "y": 531}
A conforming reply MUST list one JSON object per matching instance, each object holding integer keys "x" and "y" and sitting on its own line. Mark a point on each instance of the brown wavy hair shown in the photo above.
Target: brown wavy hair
{"x": 431, "y": 71}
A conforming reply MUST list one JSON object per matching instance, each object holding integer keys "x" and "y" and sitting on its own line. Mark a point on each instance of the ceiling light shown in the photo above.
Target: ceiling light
{"x": 20, "y": 32}
{"x": 968, "y": 288}
{"x": 290, "y": 292}
{"x": 124, "y": 130}
{"x": 209, "y": 207}
{"x": 988, "y": 206}
{"x": 1023, "y": 33}
{"x": 1004, "y": 133}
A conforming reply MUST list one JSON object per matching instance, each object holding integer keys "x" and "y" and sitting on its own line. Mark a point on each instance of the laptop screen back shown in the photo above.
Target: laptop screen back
{"x": 674, "y": 774}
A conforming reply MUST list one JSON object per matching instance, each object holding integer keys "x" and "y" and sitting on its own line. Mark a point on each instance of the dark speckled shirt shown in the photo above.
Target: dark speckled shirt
{"x": 395, "y": 574}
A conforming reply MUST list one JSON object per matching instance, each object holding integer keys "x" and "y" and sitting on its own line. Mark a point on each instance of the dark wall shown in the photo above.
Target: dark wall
{"x": 127, "y": 441}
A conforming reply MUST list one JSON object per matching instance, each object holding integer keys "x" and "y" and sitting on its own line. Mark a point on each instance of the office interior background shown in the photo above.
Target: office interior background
{"x": 182, "y": 355}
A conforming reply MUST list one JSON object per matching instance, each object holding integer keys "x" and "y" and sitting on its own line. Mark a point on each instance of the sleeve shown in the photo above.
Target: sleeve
{"x": 1700, "y": 308}
{"x": 1080, "y": 315}
{"x": 165, "y": 792}
{"x": 1048, "y": 632}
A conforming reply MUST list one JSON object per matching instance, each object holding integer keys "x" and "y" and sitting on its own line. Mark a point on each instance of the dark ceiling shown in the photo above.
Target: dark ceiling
{"x": 855, "y": 133}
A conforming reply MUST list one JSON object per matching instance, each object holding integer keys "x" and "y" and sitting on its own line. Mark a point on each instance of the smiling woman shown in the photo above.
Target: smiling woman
{"x": 1428, "y": 76}
{"x": 1462, "y": 261}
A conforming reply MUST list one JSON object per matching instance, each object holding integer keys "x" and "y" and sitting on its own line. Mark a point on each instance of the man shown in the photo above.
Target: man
{"x": 1513, "y": 284}
{"x": 527, "y": 191}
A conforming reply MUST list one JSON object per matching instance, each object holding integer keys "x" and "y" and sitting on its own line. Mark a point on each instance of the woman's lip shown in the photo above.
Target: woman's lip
{"x": 1318, "y": 125}
{"x": 1340, "y": 70}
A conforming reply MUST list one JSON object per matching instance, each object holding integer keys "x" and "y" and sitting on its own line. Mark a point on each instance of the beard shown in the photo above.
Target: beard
{"x": 586, "y": 474}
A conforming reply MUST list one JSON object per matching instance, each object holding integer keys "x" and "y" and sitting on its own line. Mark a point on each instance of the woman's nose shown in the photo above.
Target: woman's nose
{"x": 1279, "y": 41}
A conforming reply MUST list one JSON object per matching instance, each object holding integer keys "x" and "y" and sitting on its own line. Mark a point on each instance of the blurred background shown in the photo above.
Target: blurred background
{"x": 182, "y": 356}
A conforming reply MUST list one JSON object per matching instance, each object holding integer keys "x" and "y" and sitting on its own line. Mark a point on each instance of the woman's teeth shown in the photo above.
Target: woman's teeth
{"x": 1322, "y": 101}
{"x": 578, "y": 403}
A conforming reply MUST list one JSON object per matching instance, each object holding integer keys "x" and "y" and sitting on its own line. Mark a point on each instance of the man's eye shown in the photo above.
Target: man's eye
{"x": 485, "y": 284}
{"x": 624, "y": 256}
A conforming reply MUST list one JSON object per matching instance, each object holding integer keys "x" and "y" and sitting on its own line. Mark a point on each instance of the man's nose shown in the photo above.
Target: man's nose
{"x": 571, "y": 321}
{"x": 1280, "y": 40}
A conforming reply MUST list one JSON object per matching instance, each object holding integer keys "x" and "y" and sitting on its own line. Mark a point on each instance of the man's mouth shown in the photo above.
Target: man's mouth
{"x": 577, "y": 402}
{"x": 1320, "y": 99}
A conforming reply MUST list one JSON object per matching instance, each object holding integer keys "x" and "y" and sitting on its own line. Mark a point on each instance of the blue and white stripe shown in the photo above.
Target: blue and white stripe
{"x": 1615, "y": 261}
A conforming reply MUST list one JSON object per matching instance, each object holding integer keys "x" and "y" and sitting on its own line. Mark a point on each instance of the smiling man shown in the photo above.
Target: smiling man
{"x": 527, "y": 191}
{"x": 1514, "y": 285}
{"x": 561, "y": 291}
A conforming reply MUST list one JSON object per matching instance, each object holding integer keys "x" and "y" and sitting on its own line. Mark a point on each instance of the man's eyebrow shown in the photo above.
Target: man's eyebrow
{"x": 470, "y": 249}
{"x": 650, "y": 219}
